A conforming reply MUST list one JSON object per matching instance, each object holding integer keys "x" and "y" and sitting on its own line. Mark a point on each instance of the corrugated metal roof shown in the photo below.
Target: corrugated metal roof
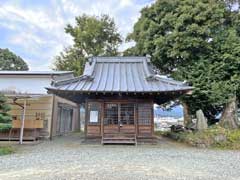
{"x": 120, "y": 74}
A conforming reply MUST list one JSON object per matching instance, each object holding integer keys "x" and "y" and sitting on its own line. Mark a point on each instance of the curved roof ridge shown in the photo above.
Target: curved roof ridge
{"x": 71, "y": 80}
{"x": 169, "y": 80}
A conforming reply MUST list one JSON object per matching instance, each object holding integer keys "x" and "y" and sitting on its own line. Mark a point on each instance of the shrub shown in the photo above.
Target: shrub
{"x": 6, "y": 150}
{"x": 5, "y": 118}
{"x": 215, "y": 137}
{"x": 4, "y": 127}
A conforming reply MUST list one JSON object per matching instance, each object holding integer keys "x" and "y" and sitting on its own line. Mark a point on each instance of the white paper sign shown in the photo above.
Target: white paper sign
{"x": 94, "y": 116}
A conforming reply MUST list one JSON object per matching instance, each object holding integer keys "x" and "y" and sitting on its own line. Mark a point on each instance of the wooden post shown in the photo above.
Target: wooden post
{"x": 152, "y": 118}
{"x": 119, "y": 117}
{"x": 135, "y": 122}
{"x": 136, "y": 113}
{"x": 78, "y": 123}
{"x": 86, "y": 118}
{"x": 102, "y": 119}
{"x": 22, "y": 124}
{"x": 135, "y": 117}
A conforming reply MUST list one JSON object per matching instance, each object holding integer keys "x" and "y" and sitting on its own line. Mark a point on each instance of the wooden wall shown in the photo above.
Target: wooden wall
{"x": 93, "y": 130}
{"x": 142, "y": 128}
{"x": 39, "y": 107}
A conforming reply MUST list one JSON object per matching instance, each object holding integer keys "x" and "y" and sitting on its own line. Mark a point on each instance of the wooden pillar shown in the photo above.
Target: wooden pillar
{"x": 102, "y": 119}
{"x": 119, "y": 116}
{"x": 78, "y": 119}
{"x": 86, "y": 118}
{"x": 135, "y": 119}
{"x": 152, "y": 118}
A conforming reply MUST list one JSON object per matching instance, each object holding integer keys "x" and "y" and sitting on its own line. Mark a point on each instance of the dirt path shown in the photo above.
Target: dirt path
{"x": 67, "y": 158}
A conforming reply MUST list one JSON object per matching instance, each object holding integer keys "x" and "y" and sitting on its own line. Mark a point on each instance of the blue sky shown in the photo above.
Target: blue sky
{"x": 34, "y": 29}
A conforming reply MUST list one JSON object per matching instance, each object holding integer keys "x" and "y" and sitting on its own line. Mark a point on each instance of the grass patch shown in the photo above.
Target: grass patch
{"x": 161, "y": 133}
{"x": 213, "y": 137}
{"x": 4, "y": 150}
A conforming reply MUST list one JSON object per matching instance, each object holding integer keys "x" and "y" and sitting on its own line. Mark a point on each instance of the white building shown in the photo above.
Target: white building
{"x": 30, "y": 82}
{"x": 45, "y": 115}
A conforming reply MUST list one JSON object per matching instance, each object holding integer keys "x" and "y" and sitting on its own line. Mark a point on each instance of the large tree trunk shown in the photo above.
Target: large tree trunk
{"x": 229, "y": 117}
{"x": 186, "y": 114}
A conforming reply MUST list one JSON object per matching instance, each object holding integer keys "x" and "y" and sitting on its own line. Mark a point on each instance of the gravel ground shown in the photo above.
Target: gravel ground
{"x": 67, "y": 158}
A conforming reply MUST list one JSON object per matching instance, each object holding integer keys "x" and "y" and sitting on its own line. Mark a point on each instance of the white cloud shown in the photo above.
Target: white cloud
{"x": 125, "y": 3}
{"x": 38, "y": 31}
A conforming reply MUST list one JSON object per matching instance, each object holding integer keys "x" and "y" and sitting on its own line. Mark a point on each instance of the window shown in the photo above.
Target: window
{"x": 111, "y": 114}
{"x": 127, "y": 114}
{"x": 116, "y": 113}
{"x": 144, "y": 113}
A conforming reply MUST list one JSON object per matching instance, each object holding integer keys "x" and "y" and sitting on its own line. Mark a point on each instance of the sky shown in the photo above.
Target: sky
{"x": 34, "y": 29}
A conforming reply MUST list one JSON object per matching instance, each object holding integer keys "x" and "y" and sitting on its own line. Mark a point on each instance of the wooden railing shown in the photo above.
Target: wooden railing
{"x": 29, "y": 124}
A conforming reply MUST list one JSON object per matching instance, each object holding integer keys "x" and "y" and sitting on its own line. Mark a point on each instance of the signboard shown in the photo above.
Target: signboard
{"x": 93, "y": 116}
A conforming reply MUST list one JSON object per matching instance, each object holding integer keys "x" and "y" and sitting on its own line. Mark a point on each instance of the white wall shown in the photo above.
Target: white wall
{"x": 21, "y": 84}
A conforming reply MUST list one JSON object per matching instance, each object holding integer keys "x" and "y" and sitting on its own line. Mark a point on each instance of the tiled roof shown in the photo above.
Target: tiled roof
{"x": 120, "y": 74}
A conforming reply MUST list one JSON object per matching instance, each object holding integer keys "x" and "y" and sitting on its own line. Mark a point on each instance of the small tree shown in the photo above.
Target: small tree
{"x": 5, "y": 118}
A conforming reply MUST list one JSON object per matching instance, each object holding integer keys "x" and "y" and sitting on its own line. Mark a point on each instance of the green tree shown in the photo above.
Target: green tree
{"x": 9, "y": 61}
{"x": 177, "y": 33}
{"x": 70, "y": 59}
{"x": 92, "y": 36}
{"x": 5, "y": 118}
{"x": 197, "y": 41}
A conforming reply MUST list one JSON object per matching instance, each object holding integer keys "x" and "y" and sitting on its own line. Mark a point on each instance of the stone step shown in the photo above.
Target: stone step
{"x": 118, "y": 142}
{"x": 118, "y": 138}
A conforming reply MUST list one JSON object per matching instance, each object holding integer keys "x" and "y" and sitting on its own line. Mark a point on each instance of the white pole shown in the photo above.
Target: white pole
{"x": 22, "y": 122}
